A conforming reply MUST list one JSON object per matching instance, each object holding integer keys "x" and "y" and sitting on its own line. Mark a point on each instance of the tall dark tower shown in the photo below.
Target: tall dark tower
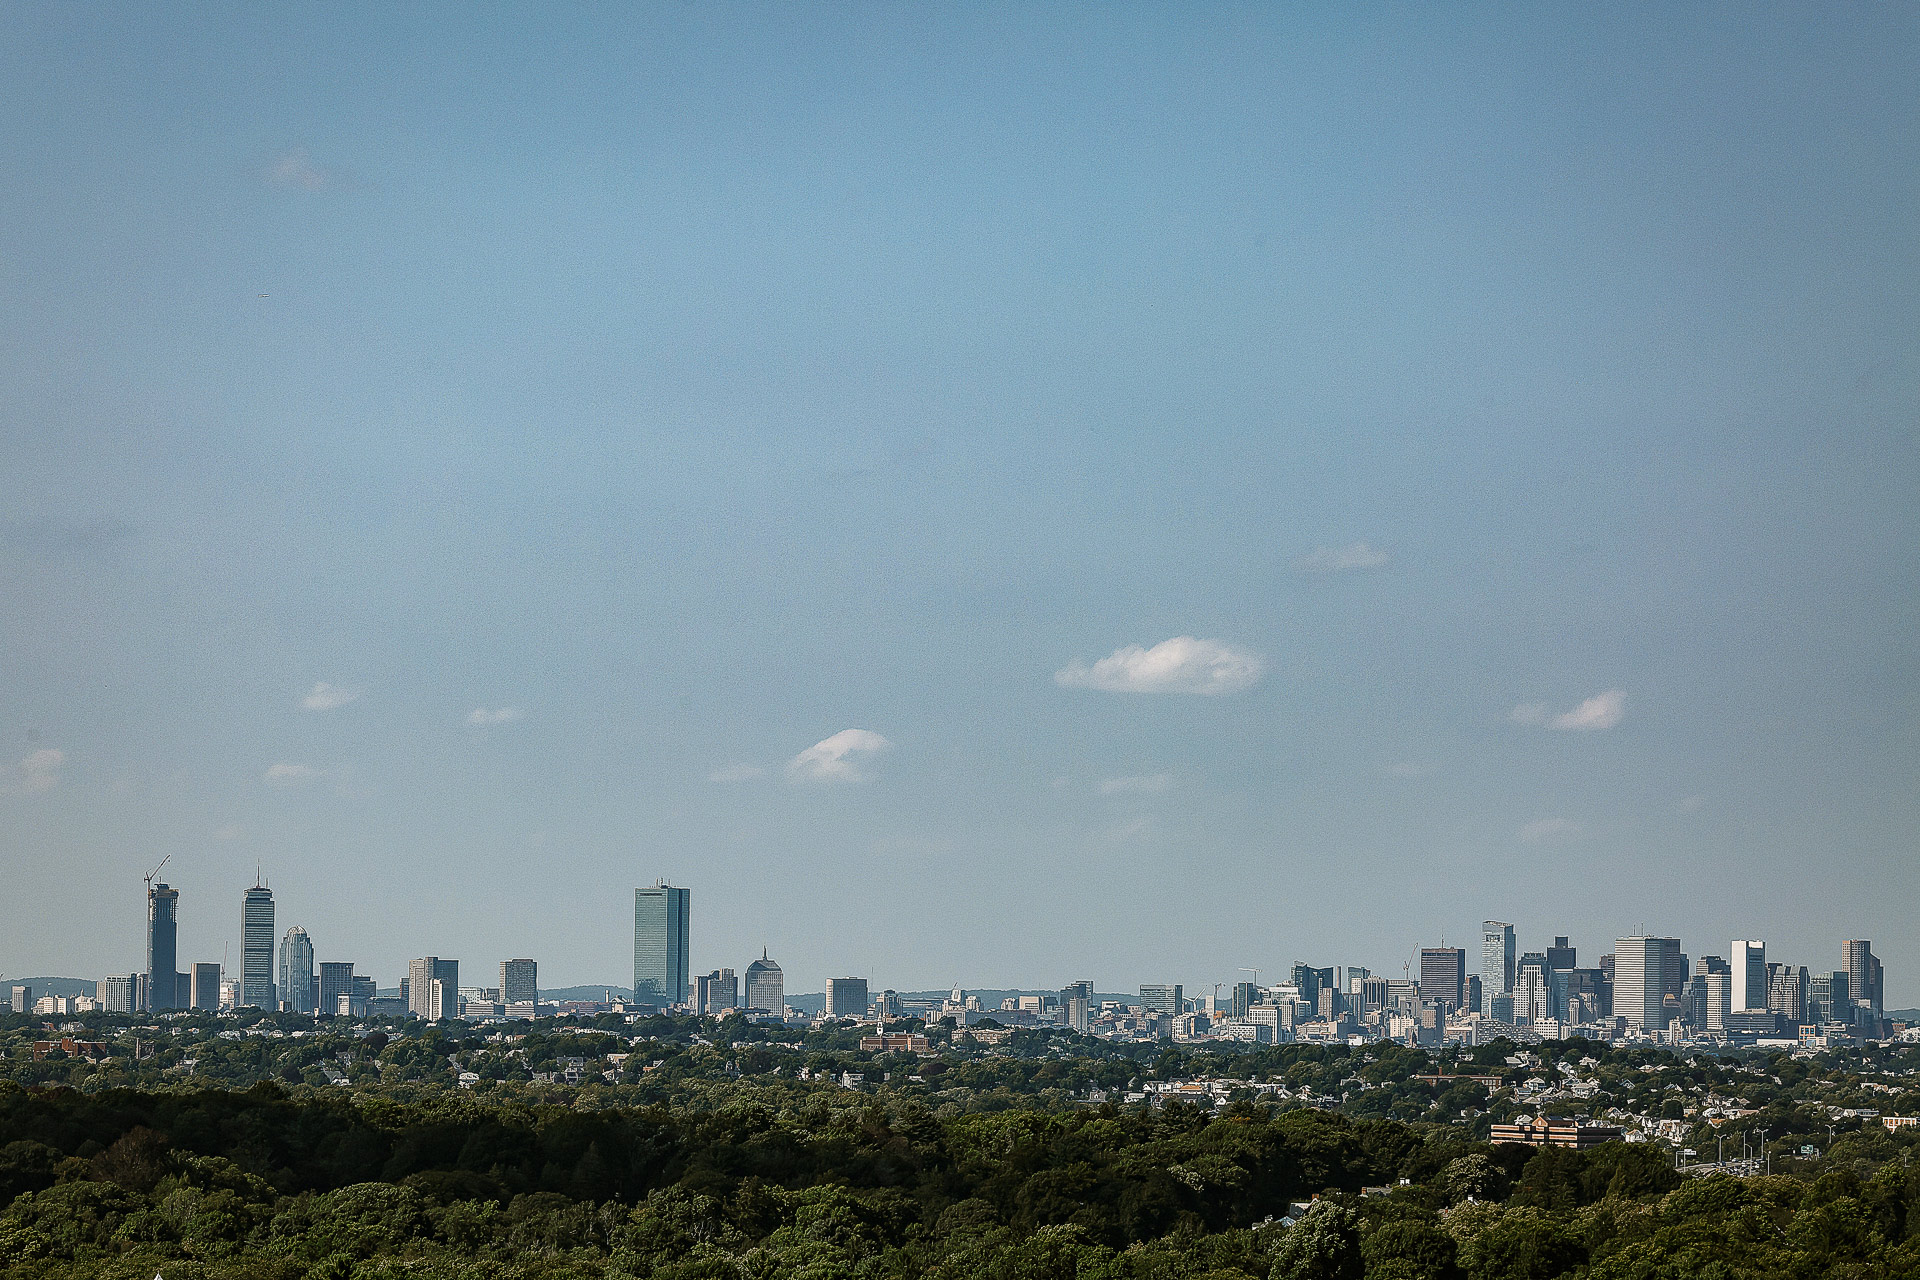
{"x": 163, "y": 945}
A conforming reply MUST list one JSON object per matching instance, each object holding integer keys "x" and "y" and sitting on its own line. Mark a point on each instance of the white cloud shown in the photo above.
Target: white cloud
{"x": 1549, "y": 829}
{"x": 297, "y": 169}
{"x": 328, "y": 697}
{"x": 1180, "y": 665}
{"x": 40, "y": 771}
{"x": 1601, "y": 711}
{"x": 737, "y": 773}
{"x": 1146, "y": 784}
{"x": 287, "y": 775}
{"x": 482, "y": 717}
{"x": 836, "y": 759}
{"x": 1356, "y": 555}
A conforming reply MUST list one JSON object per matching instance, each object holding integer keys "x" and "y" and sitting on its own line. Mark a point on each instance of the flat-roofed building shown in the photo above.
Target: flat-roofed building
{"x": 1556, "y": 1131}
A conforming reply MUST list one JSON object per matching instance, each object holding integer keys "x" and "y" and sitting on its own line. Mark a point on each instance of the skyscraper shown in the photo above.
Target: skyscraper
{"x": 296, "y": 971}
{"x": 1747, "y": 966}
{"x": 766, "y": 985}
{"x": 336, "y": 980}
{"x": 846, "y": 997}
{"x": 1645, "y": 971}
{"x": 1443, "y": 975}
{"x": 256, "y": 948}
{"x": 1533, "y": 991}
{"x": 716, "y": 993}
{"x": 1167, "y": 998}
{"x": 660, "y": 974}
{"x": 433, "y": 988}
{"x": 519, "y": 981}
{"x": 163, "y": 932}
{"x": 206, "y": 986}
{"x": 1863, "y": 973}
{"x": 1498, "y": 953}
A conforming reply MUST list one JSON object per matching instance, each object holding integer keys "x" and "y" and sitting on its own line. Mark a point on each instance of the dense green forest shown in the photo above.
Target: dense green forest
{"x": 290, "y": 1181}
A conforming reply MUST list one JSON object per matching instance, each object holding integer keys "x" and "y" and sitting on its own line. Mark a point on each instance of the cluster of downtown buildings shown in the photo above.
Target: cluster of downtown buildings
{"x": 1645, "y": 989}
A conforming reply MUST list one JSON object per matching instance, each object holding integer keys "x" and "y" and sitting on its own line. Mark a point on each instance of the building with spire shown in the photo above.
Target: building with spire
{"x": 256, "y": 948}
{"x": 766, "y": 985}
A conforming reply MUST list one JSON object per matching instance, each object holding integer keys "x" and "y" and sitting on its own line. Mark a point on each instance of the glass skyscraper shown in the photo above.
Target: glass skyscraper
{"x": 256, "y": 949}
{"x": 660, "y": 970}
{"x": 296, "y": 970}
{"x": 163, "y": 946}
{"x": 1497, "y": 956}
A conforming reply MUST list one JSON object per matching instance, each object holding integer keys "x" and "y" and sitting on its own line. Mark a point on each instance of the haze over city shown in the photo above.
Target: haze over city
{"x": 983, "y": 498}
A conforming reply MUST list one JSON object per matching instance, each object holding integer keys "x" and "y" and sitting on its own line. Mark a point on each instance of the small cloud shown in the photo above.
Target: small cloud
{"x": 287, "y": 775}
{"x": 1601, "y": 711}
{"x": 1356, "y": 555}
{"x": 1146, "y": 784}
{"x": 297, "y": 170}
{"x": 836, "y": 759}
{"x": 1548, "y": 829}
{"x": 481, "y": 717}
{"x": 1412, "y": 769}
{"x": 1183, "y": 664}
{"x": 232, "y": 831}
{"x": 328, "y": 697}
{"x": 737, "y": 773}
{"x": 40, "y": 771}
{"x": 1692, "y": 804}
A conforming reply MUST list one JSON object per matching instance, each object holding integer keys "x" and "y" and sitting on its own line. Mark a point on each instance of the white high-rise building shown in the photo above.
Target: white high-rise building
{"x": 296, "y": 971}
{"x": 1748, "y": 962}
{"x": 433, "y": 988}
{"x": 1498, "y": 954}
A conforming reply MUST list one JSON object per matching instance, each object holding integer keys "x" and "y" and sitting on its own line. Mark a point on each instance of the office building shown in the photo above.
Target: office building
{"x": 519, "y": 982}
{"x": 716, "y": 993}
{"x": 1863, "y": 974}
{"x": 433, "y": 988}
{"x": 1079, "y": 1015}
{"x": 1162, "y": 998}
{"x": 336, "y": 980}
{"x": 846, "y": 997}
{"x": 296, "y": 971}
{"x": 1560, "y": 955}
{"x": 660, "y": 972}
{"x": 1748, "y": 966}
{"x": 1555, "y": 1131}
{"x": 1827, "y": 999}
{"x": 766, "y": 985}
{"x": 117, "y": 994}
{"x": 20, "y": 1000}
{"x": 1787, "y": 992}
{"x": 1533, "y": 992}
{"x": 163, "y": 937}
{"x": 206, "y": 987}
{"x": 1646, "y": 972}
{"x": 1083, "y": 989}
{"x": 256, "y": 949}
{"x": 1245, "y": 996}
{"x": 1498, "y": 955}
{"x": 1443, "y": 976}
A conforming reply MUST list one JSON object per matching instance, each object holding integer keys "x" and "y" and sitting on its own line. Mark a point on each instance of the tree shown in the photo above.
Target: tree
{"x": 1323, "y": 1245}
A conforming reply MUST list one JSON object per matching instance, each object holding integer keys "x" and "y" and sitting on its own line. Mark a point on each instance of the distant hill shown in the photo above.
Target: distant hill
{"x": 50, "y": 986}
{"x": 1904, "y": 1015}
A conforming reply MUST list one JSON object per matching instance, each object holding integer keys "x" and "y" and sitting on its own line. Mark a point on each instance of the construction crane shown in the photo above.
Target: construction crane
{"x": 156, "y": 871}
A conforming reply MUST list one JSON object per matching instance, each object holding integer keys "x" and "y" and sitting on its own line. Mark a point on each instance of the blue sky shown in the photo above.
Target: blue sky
{"x": 471, "y": 462}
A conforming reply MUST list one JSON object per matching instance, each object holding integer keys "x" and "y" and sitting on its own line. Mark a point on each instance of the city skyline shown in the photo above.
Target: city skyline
{"x": 1639, "y": 981}
{"x": 909, "y": 473}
